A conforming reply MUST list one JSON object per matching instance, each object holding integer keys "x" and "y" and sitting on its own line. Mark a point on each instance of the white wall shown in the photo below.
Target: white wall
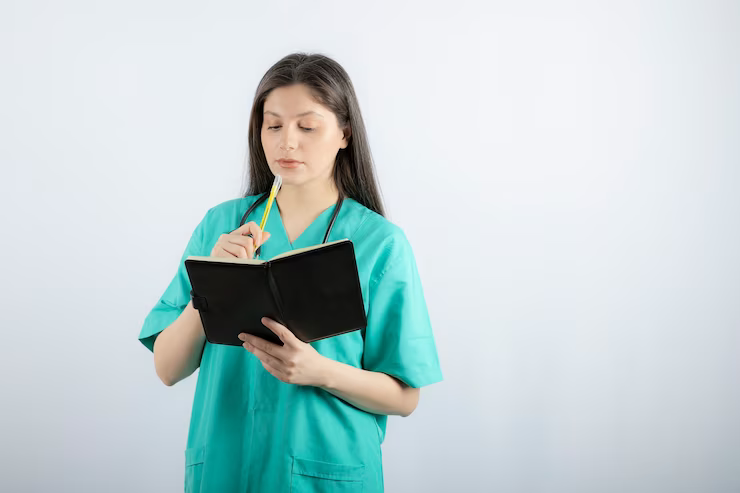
{"x": 567, "y": 175}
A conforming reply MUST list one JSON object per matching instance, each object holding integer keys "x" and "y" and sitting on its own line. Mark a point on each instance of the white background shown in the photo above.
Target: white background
{"x": 567, "y": 173}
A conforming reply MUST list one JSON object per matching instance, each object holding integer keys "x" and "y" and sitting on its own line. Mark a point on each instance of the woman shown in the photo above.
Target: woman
{"x": 300, "y": 417}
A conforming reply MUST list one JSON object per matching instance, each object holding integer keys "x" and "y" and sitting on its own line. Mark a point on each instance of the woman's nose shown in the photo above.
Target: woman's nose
{"x": 287, "y": 140}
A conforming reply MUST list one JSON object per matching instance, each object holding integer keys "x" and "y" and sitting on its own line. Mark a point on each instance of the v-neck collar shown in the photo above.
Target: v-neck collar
{"x": 312, "y": 235}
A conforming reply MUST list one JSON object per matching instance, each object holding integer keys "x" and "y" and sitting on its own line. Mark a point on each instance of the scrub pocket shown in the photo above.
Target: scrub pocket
{"x": 313, "y": 476}
{"x": 194, "y": 458}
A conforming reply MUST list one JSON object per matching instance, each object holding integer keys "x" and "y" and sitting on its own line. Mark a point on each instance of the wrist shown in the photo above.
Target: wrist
{"x": 327, "y": 374}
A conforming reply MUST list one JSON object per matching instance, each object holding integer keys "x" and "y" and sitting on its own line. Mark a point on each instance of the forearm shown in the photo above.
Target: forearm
{"x": 178, "y": 348}
{"x": 370, "y": 391}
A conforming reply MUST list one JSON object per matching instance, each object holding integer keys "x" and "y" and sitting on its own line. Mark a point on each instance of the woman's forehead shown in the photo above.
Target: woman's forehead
{"x": 293, "y": 102}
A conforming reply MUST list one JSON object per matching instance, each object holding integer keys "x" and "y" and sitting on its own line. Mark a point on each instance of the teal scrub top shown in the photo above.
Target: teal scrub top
{"x": 251, "y": 432}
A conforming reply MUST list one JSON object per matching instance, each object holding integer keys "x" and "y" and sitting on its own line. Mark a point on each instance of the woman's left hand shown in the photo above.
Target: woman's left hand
{"x": 295, "y": 362}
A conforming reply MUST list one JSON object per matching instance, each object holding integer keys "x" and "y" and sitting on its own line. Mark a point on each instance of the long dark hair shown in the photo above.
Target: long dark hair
{"x": 354, "y": 174}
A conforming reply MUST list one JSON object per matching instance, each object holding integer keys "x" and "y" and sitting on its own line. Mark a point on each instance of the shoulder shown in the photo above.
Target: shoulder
{"x": 224, "y": 217}
{"x": 231, "y": 206}
{"x": 379, "y": 237}
{"x": 230, "y": 209}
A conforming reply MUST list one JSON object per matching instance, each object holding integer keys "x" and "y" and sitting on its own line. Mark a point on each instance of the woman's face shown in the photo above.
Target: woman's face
{"x": 296, "y": 127}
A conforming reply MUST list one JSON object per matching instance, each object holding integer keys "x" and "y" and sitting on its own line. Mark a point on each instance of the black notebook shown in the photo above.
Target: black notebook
{"x": 315, "y": 292}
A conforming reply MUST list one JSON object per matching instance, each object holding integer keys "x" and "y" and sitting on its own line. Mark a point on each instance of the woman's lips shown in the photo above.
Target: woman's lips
{"x": 285, "y": 163}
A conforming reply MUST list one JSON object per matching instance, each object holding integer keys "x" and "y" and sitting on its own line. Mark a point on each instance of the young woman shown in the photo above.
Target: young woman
{"x": 300, "y": 417}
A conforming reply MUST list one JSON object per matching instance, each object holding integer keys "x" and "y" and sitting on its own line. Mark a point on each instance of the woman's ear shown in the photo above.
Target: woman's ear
{"x": 347, "y": 134}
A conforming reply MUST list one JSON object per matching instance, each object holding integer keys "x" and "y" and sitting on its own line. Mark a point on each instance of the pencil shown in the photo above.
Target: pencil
{"x": 273, "y": 193}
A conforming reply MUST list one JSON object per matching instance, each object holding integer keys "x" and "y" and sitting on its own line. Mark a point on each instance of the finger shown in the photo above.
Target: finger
{"x": 265, "y": 237}
{"x": 247, "y": 239}
{"x": 247, "y": 244}
{"x": 263, "y": 356}
{"x": 251, "y": 228}
{"x": 281, "y": 331}
{"x": 245, "y": 228}
{"x": 235, "y": 250}
{"x": 265, "y": 346}
{"x": 233, "y": 244}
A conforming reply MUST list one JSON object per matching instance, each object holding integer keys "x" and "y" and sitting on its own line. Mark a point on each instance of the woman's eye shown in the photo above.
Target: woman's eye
{"x": 304, "y": 128}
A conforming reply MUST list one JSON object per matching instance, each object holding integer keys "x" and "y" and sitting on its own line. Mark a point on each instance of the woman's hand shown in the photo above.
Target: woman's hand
{"x": 299, "y": 363}
{"x": 296, "y": 362}
{"x": 240, "y": 243}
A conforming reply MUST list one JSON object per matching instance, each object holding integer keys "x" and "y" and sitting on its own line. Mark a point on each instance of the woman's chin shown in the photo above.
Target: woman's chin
{"x": 277, "y": 169}
{"x": 292, "y": 181}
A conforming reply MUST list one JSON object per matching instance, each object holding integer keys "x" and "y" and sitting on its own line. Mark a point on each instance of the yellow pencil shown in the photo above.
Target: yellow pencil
{"x": 273, "y": 193}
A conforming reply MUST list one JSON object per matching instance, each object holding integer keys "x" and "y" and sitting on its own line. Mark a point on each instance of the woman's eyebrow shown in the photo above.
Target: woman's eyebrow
{"x": 302, "y": 114}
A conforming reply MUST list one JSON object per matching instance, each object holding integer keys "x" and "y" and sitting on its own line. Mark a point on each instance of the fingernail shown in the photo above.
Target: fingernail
{"x": 242, "y": 337}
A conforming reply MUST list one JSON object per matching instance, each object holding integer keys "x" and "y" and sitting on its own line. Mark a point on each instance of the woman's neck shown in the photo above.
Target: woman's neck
{"x": 306, "y": 201}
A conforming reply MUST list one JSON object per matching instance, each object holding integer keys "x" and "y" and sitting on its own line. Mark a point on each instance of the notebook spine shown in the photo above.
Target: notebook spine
{"x": 275, "y": 293}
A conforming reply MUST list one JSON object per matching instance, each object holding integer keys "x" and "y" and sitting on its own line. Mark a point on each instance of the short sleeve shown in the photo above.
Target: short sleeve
{"x": 177, "y": 295}
{"x": 398, "y": 338}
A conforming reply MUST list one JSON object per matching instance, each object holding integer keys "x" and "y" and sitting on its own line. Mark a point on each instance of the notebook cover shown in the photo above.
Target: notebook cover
{"x": 316, "y": 294}
{"x": 319, "y": 292}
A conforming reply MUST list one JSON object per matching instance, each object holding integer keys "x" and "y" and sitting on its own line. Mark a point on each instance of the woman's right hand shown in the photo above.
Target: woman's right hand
{"x": 238, "y": 244}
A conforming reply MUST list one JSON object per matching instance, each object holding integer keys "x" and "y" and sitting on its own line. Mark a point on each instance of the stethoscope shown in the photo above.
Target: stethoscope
{"x": 264, "y": 197}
